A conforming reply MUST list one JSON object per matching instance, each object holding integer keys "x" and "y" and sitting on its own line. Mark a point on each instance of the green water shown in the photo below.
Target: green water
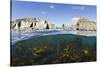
{"x": 56, "y": 51}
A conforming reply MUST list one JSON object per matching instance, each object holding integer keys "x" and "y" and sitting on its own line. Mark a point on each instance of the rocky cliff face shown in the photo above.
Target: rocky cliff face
{"x": 83, "y": 24}
{"x": 79, "y": 23}
{"x": 31, "y": 24}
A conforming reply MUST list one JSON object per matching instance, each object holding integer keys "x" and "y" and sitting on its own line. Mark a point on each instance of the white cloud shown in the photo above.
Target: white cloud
{"x": 51, "y": 6}
{"x": 79, "y": 8}
{"x": 43, "y": 12}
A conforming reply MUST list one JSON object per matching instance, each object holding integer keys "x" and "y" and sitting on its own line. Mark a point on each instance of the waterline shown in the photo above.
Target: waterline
{"x": 22, "y": 35}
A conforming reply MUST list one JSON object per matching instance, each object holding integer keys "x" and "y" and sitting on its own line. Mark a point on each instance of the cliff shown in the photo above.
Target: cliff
{"x": 79, "y": 23}
{"x": 83, "y": 24}
{"x": 31, "y": 24}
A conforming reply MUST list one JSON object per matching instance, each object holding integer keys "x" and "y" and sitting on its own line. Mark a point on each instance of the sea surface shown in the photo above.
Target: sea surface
{"x": 22, "y": 35}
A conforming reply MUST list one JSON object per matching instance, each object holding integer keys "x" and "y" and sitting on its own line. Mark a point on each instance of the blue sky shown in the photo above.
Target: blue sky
{"x": 55, "y": 13}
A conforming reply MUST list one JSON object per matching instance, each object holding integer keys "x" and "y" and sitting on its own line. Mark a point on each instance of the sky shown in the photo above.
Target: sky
{"x": 55, "y": 13}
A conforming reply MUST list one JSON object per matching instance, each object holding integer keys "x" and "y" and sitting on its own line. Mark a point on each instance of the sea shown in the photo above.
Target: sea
{"x": 22, "y": 35}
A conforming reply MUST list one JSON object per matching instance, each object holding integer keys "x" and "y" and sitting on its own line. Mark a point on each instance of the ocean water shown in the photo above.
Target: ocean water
{"x": 22, "y": 35}
{"x": 50, "y": 46}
